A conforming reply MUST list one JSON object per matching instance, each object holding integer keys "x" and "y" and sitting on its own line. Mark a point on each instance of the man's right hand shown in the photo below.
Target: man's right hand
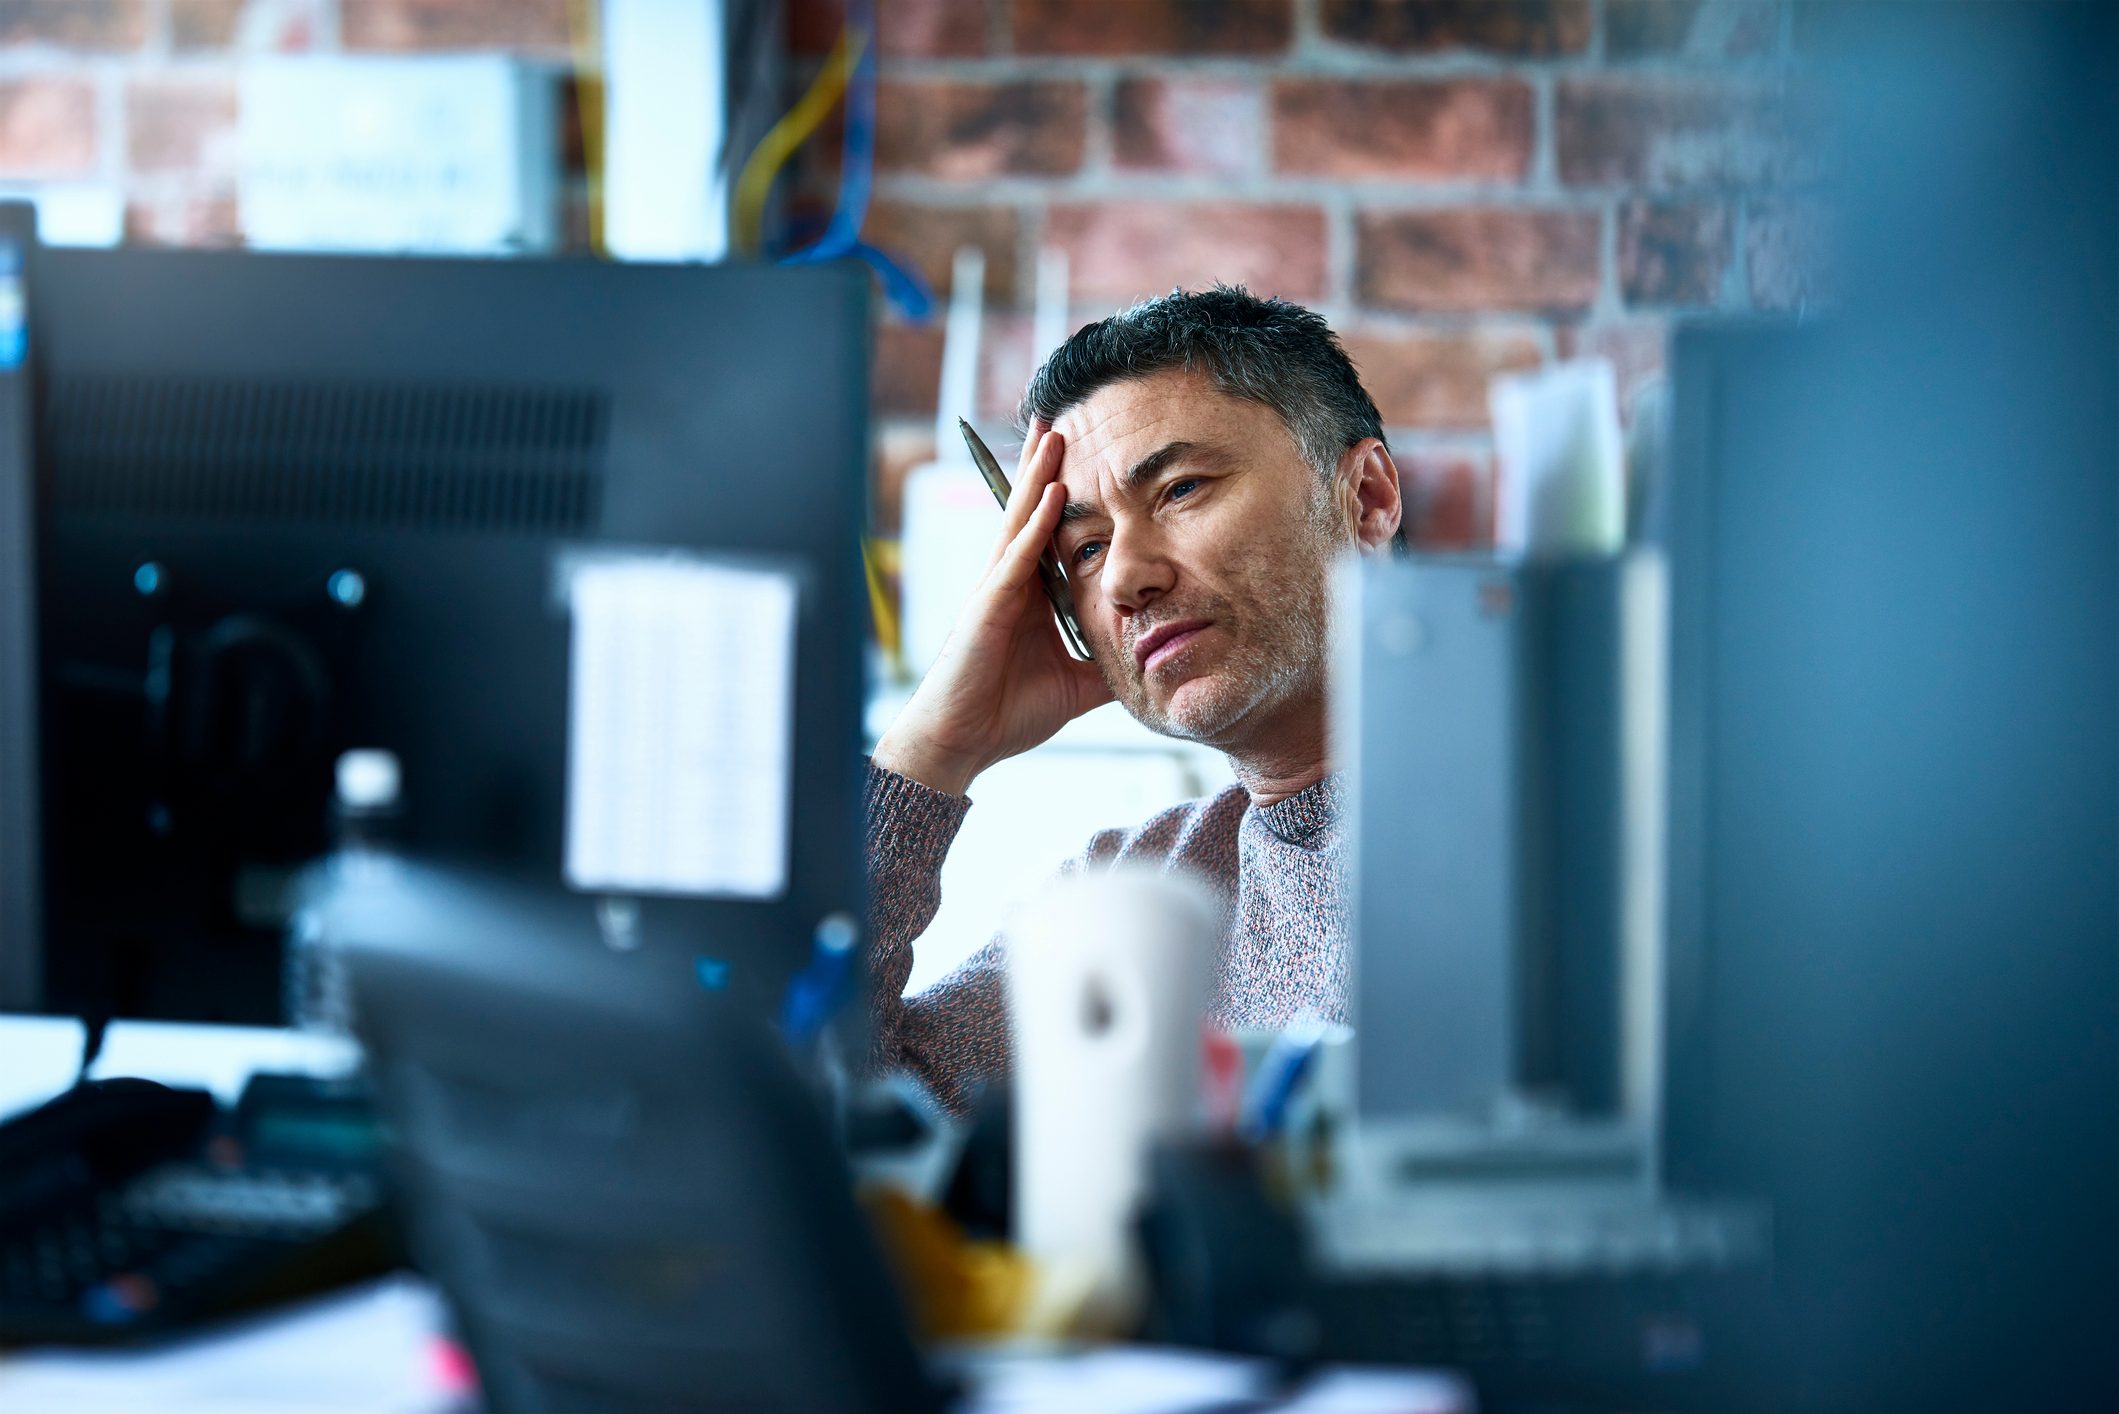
{"x": 1003, "y": 682}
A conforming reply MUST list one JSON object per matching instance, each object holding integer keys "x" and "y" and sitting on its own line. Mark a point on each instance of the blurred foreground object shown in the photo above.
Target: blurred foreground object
{"x": 1109, "y": 976}
{"x": 628, "y": 1197}
{"x": 1894, "y": 911}
{"x": 1880, "y": 1165}
{"x": 1497, "y": 1202}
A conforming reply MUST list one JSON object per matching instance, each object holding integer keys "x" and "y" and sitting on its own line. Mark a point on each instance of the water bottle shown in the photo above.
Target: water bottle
{"x": 365, "y": 814}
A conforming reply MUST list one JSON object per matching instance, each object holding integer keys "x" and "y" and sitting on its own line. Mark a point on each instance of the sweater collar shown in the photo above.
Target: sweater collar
{"x": 1306, "y": 814}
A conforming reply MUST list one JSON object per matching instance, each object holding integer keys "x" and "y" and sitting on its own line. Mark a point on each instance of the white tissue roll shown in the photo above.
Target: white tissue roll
{"x": 949, "y": 527}
{"x": 1109, "y": 977}
{"x": 1559, "y": 464}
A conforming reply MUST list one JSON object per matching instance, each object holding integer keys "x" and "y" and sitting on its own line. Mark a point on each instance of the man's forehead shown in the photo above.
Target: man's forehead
{"x": 1122, "y": 422}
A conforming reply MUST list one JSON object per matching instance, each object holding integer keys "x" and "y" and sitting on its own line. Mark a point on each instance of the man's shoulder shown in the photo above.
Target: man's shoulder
{"x": 1203, "y": 826}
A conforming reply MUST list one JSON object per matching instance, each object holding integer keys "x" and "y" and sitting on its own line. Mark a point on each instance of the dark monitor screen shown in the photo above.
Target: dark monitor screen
{"x": 292, "y": 505}
{"x": 21, "y": 859}
{"x": 1894, "y": 548}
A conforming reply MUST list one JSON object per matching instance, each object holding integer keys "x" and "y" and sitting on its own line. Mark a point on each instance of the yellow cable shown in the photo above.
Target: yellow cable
{"x": 879, "y": 605}
{"x": 585, "y": 22}
{"x": 756, "y": 181}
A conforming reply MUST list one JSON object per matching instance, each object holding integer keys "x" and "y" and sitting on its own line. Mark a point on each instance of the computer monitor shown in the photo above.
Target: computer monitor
{"x": 1894, "y": 925}
{"x": 289, "y": 505}
{"x": 21, "y": 859}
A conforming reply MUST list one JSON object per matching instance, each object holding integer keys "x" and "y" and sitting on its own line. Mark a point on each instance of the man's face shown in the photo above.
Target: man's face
{"x": 1198, "y": 541}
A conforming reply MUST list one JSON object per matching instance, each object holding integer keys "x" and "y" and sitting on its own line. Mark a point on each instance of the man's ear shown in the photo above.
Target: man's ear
{"x": 1365, "y": 489}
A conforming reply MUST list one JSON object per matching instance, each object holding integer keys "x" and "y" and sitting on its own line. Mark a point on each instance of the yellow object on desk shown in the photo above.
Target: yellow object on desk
{"x": 957, "y": 1287}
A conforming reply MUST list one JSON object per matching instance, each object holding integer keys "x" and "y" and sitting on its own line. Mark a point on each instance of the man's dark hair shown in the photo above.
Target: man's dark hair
{"x": 1263, "y": 350}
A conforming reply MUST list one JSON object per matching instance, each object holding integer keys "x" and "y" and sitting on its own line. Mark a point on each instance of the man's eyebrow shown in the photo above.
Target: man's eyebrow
{"x": 1140, "y": 472}
{"x": 1146, "y": 468}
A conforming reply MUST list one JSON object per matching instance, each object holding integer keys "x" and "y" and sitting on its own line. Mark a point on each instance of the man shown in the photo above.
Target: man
{"x": 1196, "y": 462}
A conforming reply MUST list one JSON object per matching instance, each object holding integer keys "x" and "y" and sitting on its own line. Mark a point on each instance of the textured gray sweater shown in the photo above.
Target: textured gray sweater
{"x": 1280, "y": 868}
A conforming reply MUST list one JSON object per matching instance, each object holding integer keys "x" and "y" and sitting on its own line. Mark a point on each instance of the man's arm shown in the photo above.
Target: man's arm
{"x": 952, "y": 1037}
{"x": 1002, "y": 684}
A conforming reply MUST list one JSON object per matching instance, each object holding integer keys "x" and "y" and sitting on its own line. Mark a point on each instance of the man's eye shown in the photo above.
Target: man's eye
{"x": 1084, "y": 552}
{"x": 1181, "y": 489}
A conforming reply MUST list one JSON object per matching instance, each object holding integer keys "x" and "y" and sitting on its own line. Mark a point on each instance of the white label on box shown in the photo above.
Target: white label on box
{"x": 680, "y": 728}
{"x": 451, "y": 154}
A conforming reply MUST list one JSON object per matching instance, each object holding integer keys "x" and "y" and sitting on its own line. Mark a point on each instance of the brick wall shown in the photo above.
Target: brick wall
{"x": 1460, "y": 186}
{"x": 140, "y": 95}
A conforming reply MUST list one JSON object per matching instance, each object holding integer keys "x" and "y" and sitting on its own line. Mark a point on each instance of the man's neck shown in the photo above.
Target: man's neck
{"x": 1287, "y": 758}
{"x": 1270, "y": 786}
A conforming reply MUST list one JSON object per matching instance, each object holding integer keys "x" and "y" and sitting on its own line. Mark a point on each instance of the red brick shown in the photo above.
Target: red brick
{"x": 194, "y": 217}
{"x": 928, "y": 237}
{"x": 1436, "y": 380}
{"x": 1787, "y": 253}
{"x": 1527, "y": 28}
{"x": 105, "y": 25}
{"x": 1692, "y": 29}
{"x": 809, "y": 184}
{"x": 972, "y": 131}
{"x": 1206, "y": 126}
{"x": 1134, "y": 249}
{"x": 1152, "y": 26}
{"x": 906, "y": 376}
{"x": 1674, "y": 252}
{"x": 1466, "y": 129}
{"x": 292, "y": 26}
{"x": 1449, "y": 498}
{"x": 812, "y": 26}
{"x": 47, "y": 127}
{"x": 181, "y": 125}
{"x": 1680, "y": 133}
{"x": 1479, "y": 258}
{"x": 1639, "y": 350}
{"x": 905, "y": 29}
{"x": 908, "y": 369}
{"x": 410, "y": 25}
{"x": 204, "y": 24}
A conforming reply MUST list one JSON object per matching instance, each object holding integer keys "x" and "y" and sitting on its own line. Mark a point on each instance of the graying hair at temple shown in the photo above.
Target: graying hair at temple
{"x": 1263, "y": 350}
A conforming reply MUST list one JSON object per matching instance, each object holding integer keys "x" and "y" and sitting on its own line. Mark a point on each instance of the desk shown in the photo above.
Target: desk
{"x": 371, "y": 1348}
{"x": 375, "y": 1349}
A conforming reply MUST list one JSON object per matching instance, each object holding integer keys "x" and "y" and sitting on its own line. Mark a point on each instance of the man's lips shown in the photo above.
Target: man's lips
{"x": 1164, "y": 640}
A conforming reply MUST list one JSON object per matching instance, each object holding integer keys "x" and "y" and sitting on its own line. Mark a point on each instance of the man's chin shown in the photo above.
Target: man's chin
{"x": 1194, "y": 710}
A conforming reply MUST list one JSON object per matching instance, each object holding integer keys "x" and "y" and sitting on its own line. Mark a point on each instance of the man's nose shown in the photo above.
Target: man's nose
{"x": 1137, "y": 571}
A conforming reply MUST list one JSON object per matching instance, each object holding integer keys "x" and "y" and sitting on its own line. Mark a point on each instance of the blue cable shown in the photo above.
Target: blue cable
{"x": 821, "y": 987}
{"x": 857, "y": 167}
{"x": 842, "y": 236}
{"x": 857, "y": 149}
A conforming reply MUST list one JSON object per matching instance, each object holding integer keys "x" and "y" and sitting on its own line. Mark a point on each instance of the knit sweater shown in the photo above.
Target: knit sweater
{"x": 1280, "y": 869}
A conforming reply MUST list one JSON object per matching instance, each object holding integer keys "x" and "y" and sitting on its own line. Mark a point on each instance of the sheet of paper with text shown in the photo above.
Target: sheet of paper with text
{"x": 680, "y": 727}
